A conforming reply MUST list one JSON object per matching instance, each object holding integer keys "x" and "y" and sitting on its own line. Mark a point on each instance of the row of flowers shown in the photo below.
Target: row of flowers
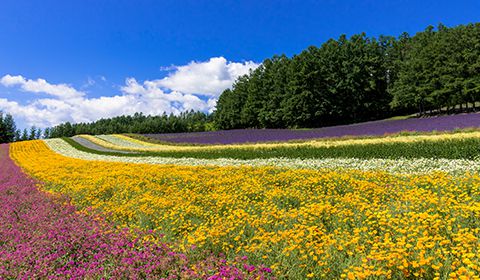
{"x": 407, "y": 166}
{"x": 42, "y": 236}
{"x": 377, "y": 128}
{"x": 119, "y": 140}
{"x": 122, "y": 142}
{"x": 306, "y": 223}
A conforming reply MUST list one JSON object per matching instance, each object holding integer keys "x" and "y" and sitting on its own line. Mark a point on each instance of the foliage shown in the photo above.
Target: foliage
{"x": 7, "y": 128}
{"x": 343, "y": 81}
{"x": 138, "y": 123}
{"x": 440, "y": 69}
{"x": 356, "y": 79}
{"x": 9, "y": 132}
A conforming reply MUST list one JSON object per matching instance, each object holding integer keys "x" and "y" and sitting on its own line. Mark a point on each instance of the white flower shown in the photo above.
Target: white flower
{"x": 403, "y": 166}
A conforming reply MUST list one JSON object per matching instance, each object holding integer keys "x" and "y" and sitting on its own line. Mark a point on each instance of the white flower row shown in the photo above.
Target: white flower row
{"x": 120, "y": 141}
{"x": 404, "y": 166}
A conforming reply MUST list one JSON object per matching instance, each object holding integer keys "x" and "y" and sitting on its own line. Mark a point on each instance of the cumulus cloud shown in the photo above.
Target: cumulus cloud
{"x": 195, "y": 86}
{"x": 61, "y": 91}
{"x": 179, "y": 101}
{"x": 208, "y": 78}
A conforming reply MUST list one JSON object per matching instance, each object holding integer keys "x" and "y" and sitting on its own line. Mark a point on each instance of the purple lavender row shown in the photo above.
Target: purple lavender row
{"x": 441, "y": 123}
{"x": 42, "y": 237}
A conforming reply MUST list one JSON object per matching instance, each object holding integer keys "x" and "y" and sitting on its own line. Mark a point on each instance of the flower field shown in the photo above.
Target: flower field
{"x": 398, "y": 165}
{"x": 44, "y": 237}
{"x": 198, "y": 140}
{"x": 319, "y": 217}
{"x": 442, "y": 123}
{"x": 461, "y": 145}
{"x": 121, "y": 142}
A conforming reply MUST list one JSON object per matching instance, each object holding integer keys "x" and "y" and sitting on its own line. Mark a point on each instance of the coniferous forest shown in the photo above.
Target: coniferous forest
{"x": 359, "y": 79}
{"x": 10, "y": 133}
{"x": 347, "y": 80}
{"x": 138, "y": 123}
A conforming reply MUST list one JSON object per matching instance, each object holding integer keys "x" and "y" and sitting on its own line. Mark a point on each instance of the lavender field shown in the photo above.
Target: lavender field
{"x": 441, "y": 123}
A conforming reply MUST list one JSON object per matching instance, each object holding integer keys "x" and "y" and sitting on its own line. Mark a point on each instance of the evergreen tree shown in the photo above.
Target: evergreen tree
{"x": 17, "y": 135}
{"x": 33, "y": 133}
{"x": 358, "y": 79}
{"x": 24, "y": 135}
{"x": 46, "y": 133}
{"x": 38, "y": 133}
{"x": 7, "y": 128}
{"x": 138, "y": 123}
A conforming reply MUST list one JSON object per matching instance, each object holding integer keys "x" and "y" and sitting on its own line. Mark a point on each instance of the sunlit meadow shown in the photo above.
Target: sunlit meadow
{"x": 301, "y": 223}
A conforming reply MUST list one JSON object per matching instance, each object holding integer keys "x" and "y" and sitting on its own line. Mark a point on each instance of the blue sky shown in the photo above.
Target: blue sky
{"x": 82, "y": 60}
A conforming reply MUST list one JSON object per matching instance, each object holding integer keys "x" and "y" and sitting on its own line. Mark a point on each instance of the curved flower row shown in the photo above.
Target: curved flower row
{"x": 121, "y": 142}
{"x": 42, "y": 236}
{"x": 326, "y": 224}
{"x": 407, "y": 166}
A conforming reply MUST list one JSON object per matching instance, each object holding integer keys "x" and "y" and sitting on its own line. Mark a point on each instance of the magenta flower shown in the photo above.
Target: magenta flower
{"x": 43, "y": 237}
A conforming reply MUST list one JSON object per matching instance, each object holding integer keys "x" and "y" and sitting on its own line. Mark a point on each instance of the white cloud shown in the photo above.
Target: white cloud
{"x": 33, "y": 114}
{"x": 195, "y": 86}
{"x": 150, "y": 91}
{"x": 61, "y": 91}
{"x": 208, "y": 78}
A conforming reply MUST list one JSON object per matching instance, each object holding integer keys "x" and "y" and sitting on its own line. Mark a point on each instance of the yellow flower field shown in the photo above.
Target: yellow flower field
{"x": 302, "y": 223}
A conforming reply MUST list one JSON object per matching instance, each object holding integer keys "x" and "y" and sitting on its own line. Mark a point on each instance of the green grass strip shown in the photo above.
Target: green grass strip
{"x": 82, "y": 148}
{"x": 449, "y": 149}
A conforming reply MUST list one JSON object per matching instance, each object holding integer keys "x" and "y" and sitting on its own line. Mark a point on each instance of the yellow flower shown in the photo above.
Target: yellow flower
{"x": 367, "y": 224}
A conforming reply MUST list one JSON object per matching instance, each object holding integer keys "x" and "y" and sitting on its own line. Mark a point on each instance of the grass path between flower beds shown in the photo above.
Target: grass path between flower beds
{"x": 69, "y": 148}
{"x": 447, "y": 146}
{"x": 89, "y": 144}
{"x": 42, "y": 236}
{"x": 132, "y": 143}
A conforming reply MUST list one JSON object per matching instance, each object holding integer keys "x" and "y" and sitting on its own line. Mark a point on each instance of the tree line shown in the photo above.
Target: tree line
{"x": 10, "y": 133}
{"x": 358, "y": 79}
{"x": 138, "y": 123}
